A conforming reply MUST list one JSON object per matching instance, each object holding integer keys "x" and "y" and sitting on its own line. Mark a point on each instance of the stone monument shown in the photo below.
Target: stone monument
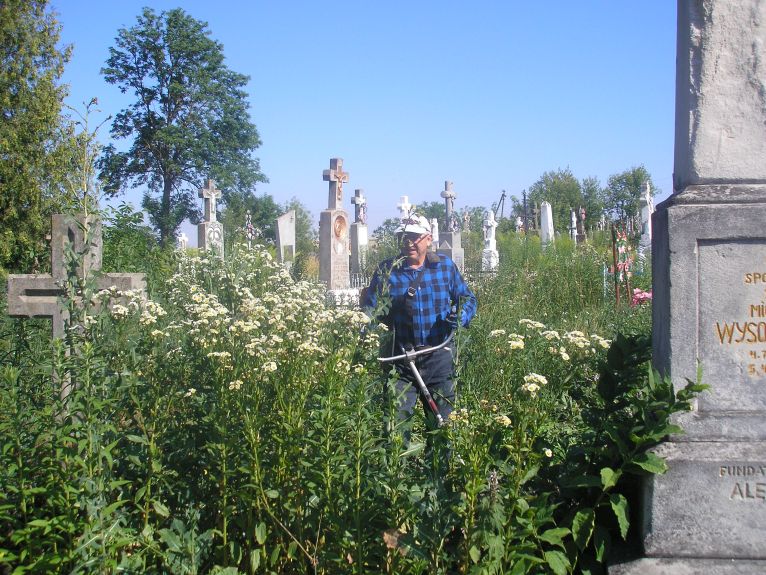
{"x": 358, "y": 236}
{"x": 573, "y": 225}
{"x": 333, "y": 231}
{"x": 182, "y": 241}
{"x": 449, "y": 240}
{"x": 37, "y": 295}
{"x": 581, "y": 235}
{"x": 404, "y": 207}
{"x": 707, "y": 514}
{"x": 546, "y": 225}
{"x": 490, "y": 259}
{"x": 286, "y": 237}
{"x": 210, "y": 231}
{"x": 647, "y": 209}
{"x": 434, "y": 233}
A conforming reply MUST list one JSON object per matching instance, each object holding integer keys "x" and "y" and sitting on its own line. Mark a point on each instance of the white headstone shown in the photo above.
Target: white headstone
{"x": 573, "y": 226}
{"x": 183, "y": 241}
{"x": 210, "y": 231}
{"x": 435, "y": 232}
{"x": 404, "y": 207}
{"x": 489, "y": 256}
{"x": 286, "y": 237}
{"x": 546, "y": 224}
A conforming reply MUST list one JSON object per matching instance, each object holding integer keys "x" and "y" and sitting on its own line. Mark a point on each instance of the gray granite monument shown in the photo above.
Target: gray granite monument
{"x": 210, "y": 231}
{"x": 333, "y": 231}
{"x": 450, "y": 240}
{"x": 707, "y": 514}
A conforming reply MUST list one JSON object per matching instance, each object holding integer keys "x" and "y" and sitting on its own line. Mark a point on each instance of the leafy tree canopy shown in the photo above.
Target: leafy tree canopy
{"x": 624, "y": 190}
{"x": 560, "y": 189}
{"x": 34, "y": 136}
{"x": 189, "y": 120}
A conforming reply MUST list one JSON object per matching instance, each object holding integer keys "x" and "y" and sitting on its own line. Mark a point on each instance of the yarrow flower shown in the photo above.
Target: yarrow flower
{"x": 235, "y": 385}
{"x": 548, "y": 452}
{"x": 503, "y": 420}
{"x": 496, "y": 333}
{"x": 535, "y": 378}
{"x": 531, "y": 323}
{"x": 269, "y": 366}
{"x": 531, "y": 389}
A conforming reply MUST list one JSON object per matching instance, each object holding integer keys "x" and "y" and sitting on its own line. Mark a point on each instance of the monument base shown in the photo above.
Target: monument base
{"x": 667, "y": 566}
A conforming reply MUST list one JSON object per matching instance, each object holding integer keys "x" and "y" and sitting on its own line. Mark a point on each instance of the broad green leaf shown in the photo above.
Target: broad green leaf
{"x": 609, "y": 477}
{"x": 651, "y": 463}
{"x": 557, "y": 561}
{"x": 260, "y": 533}
{"x": 582, "y": 526}
{"x": 554, "y": 536}
{"x": 272, "y": 493}
{"x": 601, "y": 540}
{"x": 137, "y": 439}
{"x": 475, "y": 554}
{"x": 620, "y": 508}
{"x": 531, "y": 472}
{"x": 160, "y": 508}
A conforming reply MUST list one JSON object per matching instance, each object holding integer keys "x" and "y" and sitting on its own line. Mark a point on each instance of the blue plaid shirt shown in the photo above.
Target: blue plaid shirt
{"x": 440, "y": 293}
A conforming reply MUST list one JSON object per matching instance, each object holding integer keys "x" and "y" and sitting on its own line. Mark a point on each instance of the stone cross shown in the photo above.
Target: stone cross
{"x": 183, "y": 241}
{"x": 404, "y": 207}
{"x": 37, "y": 295}
{"x": 360, "y": 207}
{"x": 251, "y": 232}
{"x": 449, "y": 205}
{"x": 210, "y": 195}
{"x": 337, "y": 177}
{"x": 490, "y": 225}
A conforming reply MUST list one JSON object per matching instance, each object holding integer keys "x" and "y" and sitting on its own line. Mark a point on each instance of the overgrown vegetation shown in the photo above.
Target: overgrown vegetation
{"x": 233, "y": 423}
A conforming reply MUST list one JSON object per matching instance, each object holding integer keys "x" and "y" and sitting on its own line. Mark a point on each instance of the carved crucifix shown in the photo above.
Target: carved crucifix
{"x": 360, "y": 207}
{"x": 210, "y": 195}
{"x": 337, "y": 177}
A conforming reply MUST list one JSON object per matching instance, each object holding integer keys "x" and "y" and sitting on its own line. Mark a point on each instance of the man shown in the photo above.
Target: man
{"x": 419, "y": 296}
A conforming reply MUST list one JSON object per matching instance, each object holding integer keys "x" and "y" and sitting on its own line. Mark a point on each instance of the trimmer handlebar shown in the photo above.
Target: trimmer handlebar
{"x": 412, "y": 354}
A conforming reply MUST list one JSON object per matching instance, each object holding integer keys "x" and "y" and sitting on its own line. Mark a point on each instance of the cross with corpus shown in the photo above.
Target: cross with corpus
{"x": 210, "y": 195}
{"x": 337, "y": 177}
{"x": 449, "y": 201}
{"x": 360, "y": 202}
{"x": 36, "y": 295}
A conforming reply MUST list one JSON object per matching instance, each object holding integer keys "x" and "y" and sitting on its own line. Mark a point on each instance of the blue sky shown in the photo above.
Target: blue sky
{"x": 486, "y": 94}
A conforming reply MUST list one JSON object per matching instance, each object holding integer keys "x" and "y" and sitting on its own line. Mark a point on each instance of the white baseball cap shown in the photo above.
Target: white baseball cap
{"x": 414, "y": 224}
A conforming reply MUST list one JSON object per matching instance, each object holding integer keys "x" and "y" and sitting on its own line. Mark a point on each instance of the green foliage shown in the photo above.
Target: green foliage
{"x": 233, "y": 424}
{"x": 560, "y": 189}
{"x": 189, "y": 121}
{"x": 34, "y": 138}
{"x": 624, "y": 191}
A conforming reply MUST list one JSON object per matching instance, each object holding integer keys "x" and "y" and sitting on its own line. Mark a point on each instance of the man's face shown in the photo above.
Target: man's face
{"x": 415, "y": 246}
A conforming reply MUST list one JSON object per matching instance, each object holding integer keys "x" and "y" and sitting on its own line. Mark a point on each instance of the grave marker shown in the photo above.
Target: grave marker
{"x": 490, "y": 259}
{"x": 450, "y": 240}
{"x": 334, "y": 232}
{"x": 210, "y": 231}
{"x": 547, "y": 232}
{"x": 358, "y": 233}
{"x": 286, "y": 237}
{"x": 707, "y": 514}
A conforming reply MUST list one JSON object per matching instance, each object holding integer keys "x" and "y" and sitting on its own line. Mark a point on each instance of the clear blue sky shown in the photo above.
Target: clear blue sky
{"x": 487, "y": 94}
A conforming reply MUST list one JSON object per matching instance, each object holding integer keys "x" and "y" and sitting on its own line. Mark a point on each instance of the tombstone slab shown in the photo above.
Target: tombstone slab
{"x": 358, "y": 233}
{"x": 286, "y": 237}
{"x": 707, "y": 514}
{"x": 547, "y": 232}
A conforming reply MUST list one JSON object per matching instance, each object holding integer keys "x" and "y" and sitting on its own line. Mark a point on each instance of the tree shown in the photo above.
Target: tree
{"x": 562, "y": 191}
{"x": 624, "y": 190}
{"x": 306, "y": 234}
{"x": 189, "y": 121}
{"x": 264, "y": 212}
{"x": 34, "y": 137}
{"x": 593, "y": 201}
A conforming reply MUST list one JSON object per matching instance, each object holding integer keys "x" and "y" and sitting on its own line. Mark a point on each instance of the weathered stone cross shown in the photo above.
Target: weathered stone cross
{"x": 337, "y": 177}
{"x": 36, "y": 295}
{"x": 360, "y": 203}
{"x": 449, "y": 201}
{"x": 210, "y": 196}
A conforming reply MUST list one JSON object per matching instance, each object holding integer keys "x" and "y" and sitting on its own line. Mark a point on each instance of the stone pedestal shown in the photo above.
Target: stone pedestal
{"x": 450, "y": 246}
{"x": 359, "y": 243}
{"x": 333, "y": 249}
{"x": 707, "y": 514}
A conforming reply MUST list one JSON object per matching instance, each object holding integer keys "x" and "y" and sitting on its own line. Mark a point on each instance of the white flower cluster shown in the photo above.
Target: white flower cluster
{"x": 533, "y": 382}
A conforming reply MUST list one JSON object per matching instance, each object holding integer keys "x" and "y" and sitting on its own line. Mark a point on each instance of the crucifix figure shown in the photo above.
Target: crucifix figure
{"x": 337, "y": 177}
{"x": 210, "y": 195}
{"x": 405, "y": 207}
{"x": 360, "y": 207}
{"x": 449, "y": 204}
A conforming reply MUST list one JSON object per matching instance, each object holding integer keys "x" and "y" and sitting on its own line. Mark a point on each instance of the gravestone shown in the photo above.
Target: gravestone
{"x": 449, "y": 240}
{"x": 210, "y": 230}
{"x": 434, "y": 233}
{"x": 251, "y": 232}
{"x": 490, "y": 259}
{"x": 37, "y": 295}
{"x": 358, "y": 236}
{"x": 405, "y": 208}
{"x": 573, "y": 226}
{"x": 581, "y": 236}
{"x": 286, "y": 237}
{"x": 333, "y": 231}
{"x": 707, "y": 514}
{"x": 646, "y": 210}
{"x": 182, "y": 241}
{"x": 546, "y": 225}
